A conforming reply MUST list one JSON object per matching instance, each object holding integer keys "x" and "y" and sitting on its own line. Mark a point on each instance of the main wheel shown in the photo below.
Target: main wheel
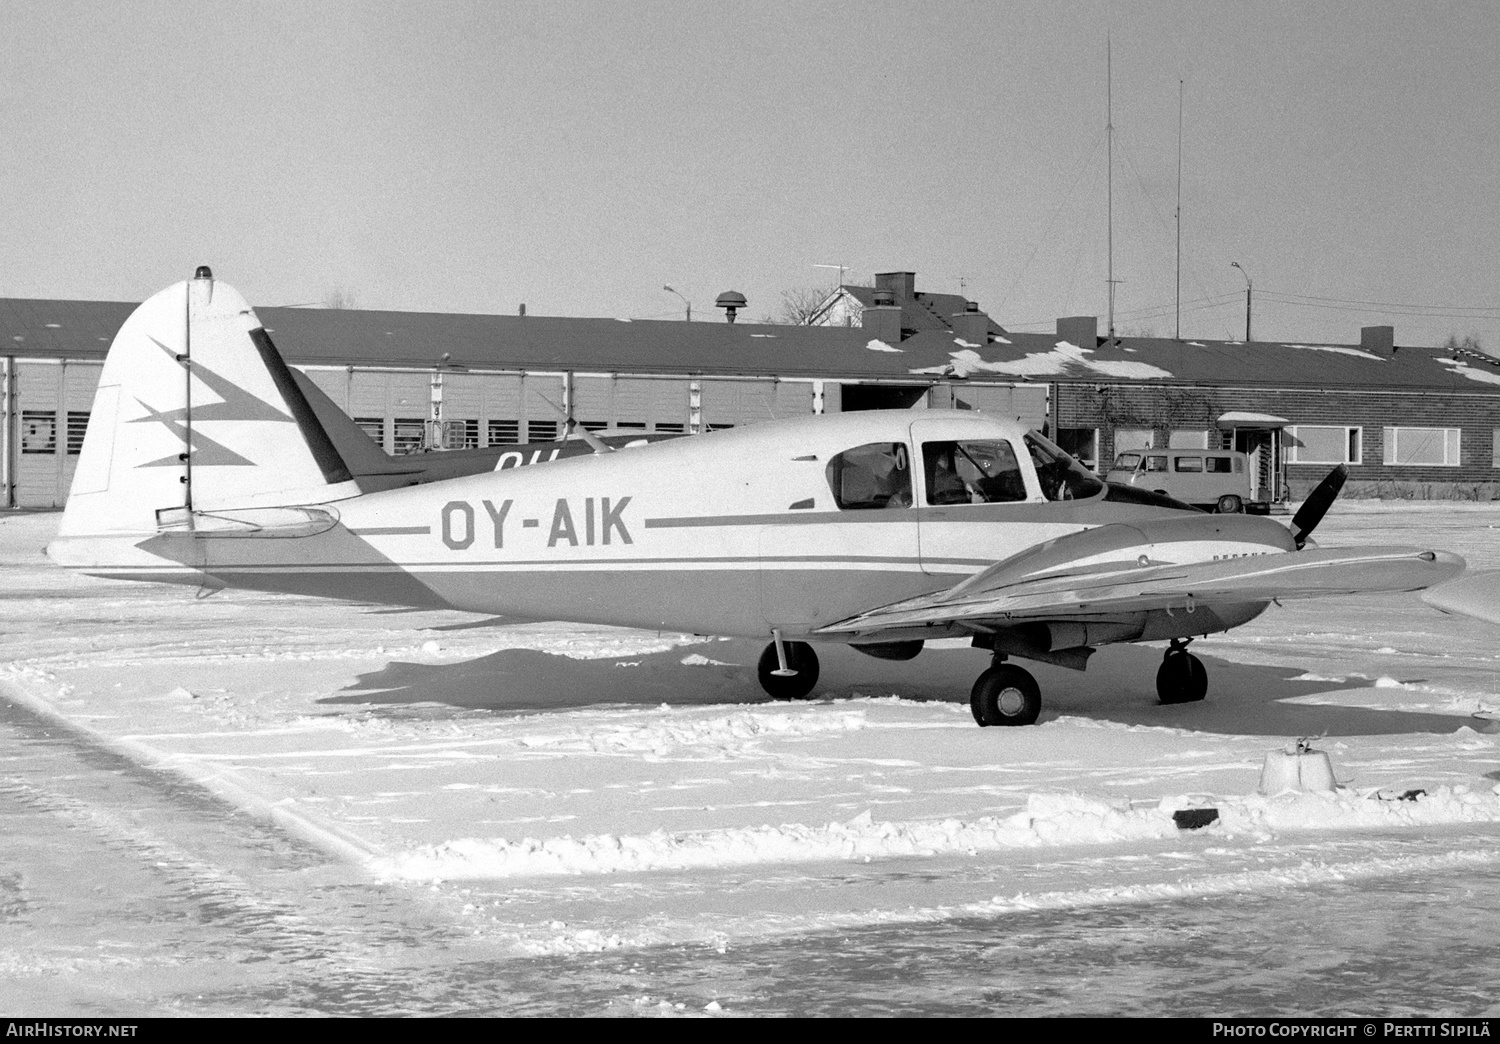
{"x": 1230, "y": 505}
{"x": 1181, "y": 678}
{"x": 800, "y": 658}
{"x": 1005, "y": 695}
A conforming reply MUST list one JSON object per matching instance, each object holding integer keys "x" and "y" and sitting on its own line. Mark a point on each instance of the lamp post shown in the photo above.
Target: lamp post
{"x": 685, "y": 301}
{"x": 1249, "y": 289}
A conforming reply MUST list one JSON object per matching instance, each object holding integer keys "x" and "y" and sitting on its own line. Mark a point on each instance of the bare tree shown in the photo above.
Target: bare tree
{"x": 801, "y": 305}
{"x": 340, "y": 297}
{"x": 1466, "y": 343}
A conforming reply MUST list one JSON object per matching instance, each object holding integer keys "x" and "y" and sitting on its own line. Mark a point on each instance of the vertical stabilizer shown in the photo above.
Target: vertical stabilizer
{"x": 196, "y": 412}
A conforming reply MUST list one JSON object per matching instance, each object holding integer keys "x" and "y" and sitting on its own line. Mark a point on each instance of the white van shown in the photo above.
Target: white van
{"x": 1214, "y": 480}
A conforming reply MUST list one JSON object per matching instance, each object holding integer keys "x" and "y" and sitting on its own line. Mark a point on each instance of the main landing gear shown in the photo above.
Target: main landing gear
{"x": 1182, "y": 678}
{"x": 788, "y": 670}
{"x": 1005, "y": 695}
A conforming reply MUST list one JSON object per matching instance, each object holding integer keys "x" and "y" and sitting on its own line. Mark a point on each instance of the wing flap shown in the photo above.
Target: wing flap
{"x": 1135, "y": 588}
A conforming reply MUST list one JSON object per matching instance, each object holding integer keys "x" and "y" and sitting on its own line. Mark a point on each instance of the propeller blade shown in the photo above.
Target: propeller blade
{"x": 1317, "y": 504}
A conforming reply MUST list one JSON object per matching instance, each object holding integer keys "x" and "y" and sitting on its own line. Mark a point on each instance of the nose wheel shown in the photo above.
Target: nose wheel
{"x": 1182, "y": 678}
{"x": 1005, "y": 695}
{"x": 789, "y": 674}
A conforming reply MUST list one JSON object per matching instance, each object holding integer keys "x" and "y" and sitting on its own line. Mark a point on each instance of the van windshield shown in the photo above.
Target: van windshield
{"x": 1128, "y": 461}
{"x": 1062, "y": 477}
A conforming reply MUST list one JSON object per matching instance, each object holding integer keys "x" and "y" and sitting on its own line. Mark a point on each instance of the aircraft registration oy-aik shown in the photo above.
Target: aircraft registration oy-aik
{"x": 208, "y": 461}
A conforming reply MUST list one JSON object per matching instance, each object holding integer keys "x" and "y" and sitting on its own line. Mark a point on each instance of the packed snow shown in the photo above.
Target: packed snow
{"x": 615, "y": 787}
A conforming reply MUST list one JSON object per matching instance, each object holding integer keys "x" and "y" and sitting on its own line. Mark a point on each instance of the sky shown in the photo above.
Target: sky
{"x": 578, "y": 157}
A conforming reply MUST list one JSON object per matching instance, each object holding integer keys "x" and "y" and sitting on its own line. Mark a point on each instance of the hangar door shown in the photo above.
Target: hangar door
{"x": 1026, "y": 403}
{"x": 52, "y": 407}
{"x": 727, "y": 404}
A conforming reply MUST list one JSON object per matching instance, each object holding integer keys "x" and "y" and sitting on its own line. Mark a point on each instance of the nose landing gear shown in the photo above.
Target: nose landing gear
{"x": 1182, "y": 678}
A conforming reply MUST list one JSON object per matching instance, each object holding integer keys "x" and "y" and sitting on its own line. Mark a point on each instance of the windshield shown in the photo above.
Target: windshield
{"x": 1128, "y": 461}
{"x": 1062, "y": 477}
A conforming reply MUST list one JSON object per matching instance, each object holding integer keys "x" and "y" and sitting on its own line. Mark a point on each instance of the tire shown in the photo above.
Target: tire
{"x": 800, "y": 658}
{"x": 1230, "y": 505}
{"x": 1181, "y": 678}
{"x": 1005, "y": 695}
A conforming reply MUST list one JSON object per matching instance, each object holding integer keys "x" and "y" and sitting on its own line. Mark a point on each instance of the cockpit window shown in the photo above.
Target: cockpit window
{"x": 1062, "y": 477}
{"x": 877, "y": 475}
{"x": 977, "y": 472}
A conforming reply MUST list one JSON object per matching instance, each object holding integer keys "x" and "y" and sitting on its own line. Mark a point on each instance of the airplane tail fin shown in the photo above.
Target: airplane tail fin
{"x": 196, "y": 412}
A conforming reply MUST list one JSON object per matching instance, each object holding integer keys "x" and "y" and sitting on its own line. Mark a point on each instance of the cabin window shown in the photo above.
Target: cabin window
{"x": 1434, "y": 447}
{"x": 1061, "y": 477}
{"x": 979, "y": 472}
{"x": 1189, "y": 464}
{"x": 1156, "y": 462}
{"x": 877, "y": 475}
{"x": 1219, "y": 465}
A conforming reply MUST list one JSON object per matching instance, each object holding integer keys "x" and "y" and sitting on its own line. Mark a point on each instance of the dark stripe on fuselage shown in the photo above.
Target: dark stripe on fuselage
{"x": 392, "y": 531}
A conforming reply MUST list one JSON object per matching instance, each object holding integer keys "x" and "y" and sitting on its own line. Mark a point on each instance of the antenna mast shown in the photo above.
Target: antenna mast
{"x": 1109, "y": 139}
{"x": 1179, "y": 210}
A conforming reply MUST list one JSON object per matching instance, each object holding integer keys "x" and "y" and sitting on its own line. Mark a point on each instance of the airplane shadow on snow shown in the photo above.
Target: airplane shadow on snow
{"x": 1119, "y": 686}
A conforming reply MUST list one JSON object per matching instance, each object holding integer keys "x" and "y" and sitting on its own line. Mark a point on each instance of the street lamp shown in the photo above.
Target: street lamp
{"x": 685, "y": 301}
{"x": 1249, "y": 288}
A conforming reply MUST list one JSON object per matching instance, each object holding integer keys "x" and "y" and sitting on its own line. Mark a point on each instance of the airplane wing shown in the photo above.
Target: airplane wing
{"x": 1102, "y": 590}
{"x": 1474, "y": 594}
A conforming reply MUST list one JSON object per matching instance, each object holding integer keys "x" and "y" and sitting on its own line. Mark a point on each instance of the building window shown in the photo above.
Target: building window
{"x": 631, "y": 425}
{"x": 503, "y": 433}
{"x": 460, "y": 434}
{"x": 1082, "y": 444}
{"x": 38, "y": 431}
{"x": 1132, "y": 439}
{"x": 541, "y": 431}
{"x": 1323, "y": 444}
{"x": 593, "y": 425}
{"x": 410, "y": 432}
{"x": 78, "y": 426}
{"x": 1431, "y": 447}
{"x": 671, "y": 428}
{"x": 373, "y": 427}
{"x": 1188, "y": 439}
{"x": 1495, "y": 448}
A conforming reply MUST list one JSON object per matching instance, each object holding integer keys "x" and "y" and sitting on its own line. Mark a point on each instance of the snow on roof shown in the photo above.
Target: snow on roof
{"x": 1460, "y": 368}
{"x": 1064, "y": 358}
{"x": 1340, "y": 349}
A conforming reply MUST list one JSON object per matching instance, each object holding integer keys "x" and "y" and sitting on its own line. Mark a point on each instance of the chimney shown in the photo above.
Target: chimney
{"x": 903, "y": 285}
{"x": 971, "y": 324}
{"x": 882, "y": 320}
{"x": 1082, "y": 330}
{"x": 1378, "y": 340}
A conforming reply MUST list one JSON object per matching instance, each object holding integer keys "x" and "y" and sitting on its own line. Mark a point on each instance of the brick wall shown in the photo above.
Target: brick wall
{"x": 1163, "y": 408}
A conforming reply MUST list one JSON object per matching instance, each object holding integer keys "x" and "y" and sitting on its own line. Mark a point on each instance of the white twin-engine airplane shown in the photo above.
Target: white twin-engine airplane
{"x": 204, "y": 464}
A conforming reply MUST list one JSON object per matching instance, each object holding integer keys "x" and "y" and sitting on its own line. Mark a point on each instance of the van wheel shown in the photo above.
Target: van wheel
{"x": 1230, "y": 505}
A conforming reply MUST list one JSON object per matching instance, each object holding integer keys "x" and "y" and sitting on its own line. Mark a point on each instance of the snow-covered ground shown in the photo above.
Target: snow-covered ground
{"x": 561, "y": 789}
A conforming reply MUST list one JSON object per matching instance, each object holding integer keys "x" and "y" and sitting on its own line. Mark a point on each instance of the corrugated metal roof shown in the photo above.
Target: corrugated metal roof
{"x": 83, "y": 329}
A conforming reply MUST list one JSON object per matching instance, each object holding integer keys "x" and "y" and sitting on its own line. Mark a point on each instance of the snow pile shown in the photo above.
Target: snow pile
{"x": 1048, "y": 820}
{"x": 722, "y": 732}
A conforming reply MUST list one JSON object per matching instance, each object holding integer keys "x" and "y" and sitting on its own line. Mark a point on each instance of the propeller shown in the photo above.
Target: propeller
{"x": 1317, "y": 504}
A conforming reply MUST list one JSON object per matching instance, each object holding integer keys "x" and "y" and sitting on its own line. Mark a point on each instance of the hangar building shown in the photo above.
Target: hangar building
{"x": 1403, "y": 418}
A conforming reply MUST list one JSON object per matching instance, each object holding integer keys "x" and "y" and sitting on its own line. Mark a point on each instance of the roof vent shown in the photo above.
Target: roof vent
{"x": 884, "y": 298}
{"x": 731, "y": 301}
{"x": 203, "y": 273}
